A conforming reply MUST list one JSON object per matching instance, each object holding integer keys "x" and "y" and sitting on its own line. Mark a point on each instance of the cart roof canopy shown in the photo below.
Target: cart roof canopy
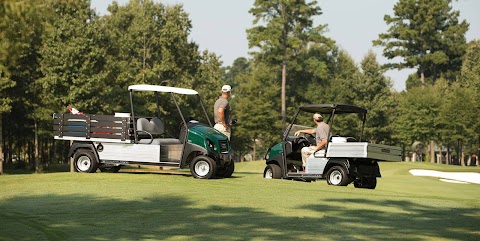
{"x": 166, "y": 89}
{"x": 328, "y": 108}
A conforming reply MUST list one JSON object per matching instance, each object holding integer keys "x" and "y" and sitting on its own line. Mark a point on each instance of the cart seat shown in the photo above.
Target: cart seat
{"x": 159, "y": 127}
{"x": 154, "y": 127}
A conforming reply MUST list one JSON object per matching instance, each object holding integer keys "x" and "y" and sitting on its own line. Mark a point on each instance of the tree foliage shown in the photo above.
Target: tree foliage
{"x": 282, "y": 29}
{"x": 375, "y": 95}
{"x": 73, "y": 59}
{"x": 255, "y": 103}
{"x": 57, "y": 53}
{"x": 427, "y": 35}
{"x": 417, "y": 113}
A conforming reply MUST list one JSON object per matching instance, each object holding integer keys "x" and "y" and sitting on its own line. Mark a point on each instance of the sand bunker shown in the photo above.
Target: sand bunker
{"x": 453, "y": 177}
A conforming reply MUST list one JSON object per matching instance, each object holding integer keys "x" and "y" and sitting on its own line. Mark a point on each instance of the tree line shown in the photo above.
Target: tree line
{"x": 60, "y": 53}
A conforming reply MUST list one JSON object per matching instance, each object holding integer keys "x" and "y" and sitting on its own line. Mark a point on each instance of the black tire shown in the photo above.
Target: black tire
{"x": 85, "y": 161}
{"x": 337, "y": 176}
{"x": 272, "y": 171}
{"x": 230, "y": 169}
{"x": 369, "y": 183}
{"x": 225, "y": 172}
{"x": 372, "y": 183}
{"x": 358, "y": 183}
{"x": 112, "y": 169}
{"x": 203, "y": 167}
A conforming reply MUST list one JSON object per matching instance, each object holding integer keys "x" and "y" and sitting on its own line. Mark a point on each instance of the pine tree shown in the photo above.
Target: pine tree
{"x": 375, "y": 96}
{"x": 282, "y": 28}
{"x": 427, "y": 35}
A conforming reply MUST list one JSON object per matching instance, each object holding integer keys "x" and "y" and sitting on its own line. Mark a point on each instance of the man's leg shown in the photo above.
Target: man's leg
{"x": 306, "y": 152}
{"x": 222, "y": 129}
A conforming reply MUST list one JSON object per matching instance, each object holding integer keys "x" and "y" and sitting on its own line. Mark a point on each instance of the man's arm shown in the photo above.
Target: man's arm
{"x": 321, "y": 144}
{"x": 307, "y": 131}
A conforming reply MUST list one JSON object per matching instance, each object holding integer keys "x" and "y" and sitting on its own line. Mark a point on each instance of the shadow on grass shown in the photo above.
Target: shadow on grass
{"x": 86, "y": 217}
{"x": 403, "y": 220}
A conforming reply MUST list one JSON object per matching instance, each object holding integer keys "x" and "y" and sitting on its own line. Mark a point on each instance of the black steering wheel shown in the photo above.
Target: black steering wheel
{"x": 304, "y": 141}
{"x": 311, "y": 139}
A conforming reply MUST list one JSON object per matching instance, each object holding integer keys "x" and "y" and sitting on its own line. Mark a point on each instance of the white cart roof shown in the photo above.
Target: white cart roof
{"x": 159, "y": 88}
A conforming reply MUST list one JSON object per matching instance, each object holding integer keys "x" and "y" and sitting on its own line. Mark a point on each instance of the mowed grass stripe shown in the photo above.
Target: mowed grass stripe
{"x": 154, "y": 206}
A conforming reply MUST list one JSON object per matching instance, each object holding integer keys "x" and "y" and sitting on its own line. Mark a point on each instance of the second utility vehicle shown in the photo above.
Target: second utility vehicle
{"x": 345, "y": 159}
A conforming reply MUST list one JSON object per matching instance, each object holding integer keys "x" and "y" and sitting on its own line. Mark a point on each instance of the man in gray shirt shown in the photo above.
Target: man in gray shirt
{"x": 321, "y": 136}
{"x": 221, "y": 111}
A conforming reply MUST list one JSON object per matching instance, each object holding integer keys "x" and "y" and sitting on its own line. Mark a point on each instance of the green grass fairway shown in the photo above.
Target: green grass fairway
{"x": 154, "y": 206}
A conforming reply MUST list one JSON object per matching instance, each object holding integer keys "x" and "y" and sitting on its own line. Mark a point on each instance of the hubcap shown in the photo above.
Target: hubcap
{"x": 202, "y": 168}
{"x": 268, "y": 173}
{"x": 335, "y": 177}
{"x": 83, "y": 163}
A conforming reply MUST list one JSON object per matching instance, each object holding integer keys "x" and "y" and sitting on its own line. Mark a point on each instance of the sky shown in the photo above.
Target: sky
{"x": 220, "y": 26}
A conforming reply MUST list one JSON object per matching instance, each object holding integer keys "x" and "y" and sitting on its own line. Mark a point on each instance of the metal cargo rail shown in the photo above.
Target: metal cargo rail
{"x": 104, "y": 128}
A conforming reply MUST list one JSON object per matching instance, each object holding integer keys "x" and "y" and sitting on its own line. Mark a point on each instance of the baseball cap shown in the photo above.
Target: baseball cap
{"x": 226, "y": 88}
{"x": 316, "y": 116}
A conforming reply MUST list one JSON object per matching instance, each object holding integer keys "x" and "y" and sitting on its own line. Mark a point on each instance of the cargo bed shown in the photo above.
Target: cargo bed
{"x": 365, "y": 150}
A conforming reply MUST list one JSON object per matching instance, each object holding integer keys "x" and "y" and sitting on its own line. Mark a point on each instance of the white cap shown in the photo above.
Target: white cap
{"x": 226, "y": 88}
{"x": 316, "y": 116}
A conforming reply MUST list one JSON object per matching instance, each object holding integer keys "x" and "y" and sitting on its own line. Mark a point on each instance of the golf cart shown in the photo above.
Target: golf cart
{"x": 346, "y": 159}
{"x": 108, "y": 142}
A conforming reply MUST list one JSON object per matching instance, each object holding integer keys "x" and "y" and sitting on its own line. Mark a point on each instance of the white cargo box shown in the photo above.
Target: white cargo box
{"x": 364, "y": 150}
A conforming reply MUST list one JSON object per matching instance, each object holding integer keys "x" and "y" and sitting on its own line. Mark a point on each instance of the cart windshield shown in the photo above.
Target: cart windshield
{"x": 296, "y": 128}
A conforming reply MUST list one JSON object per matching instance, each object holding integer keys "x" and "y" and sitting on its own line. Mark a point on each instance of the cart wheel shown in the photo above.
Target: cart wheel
{"x": 230, "y": 169}
{"x": 225, "y": 172}
{"x": 85, "y": 161}
{"x": 358, "y": 183}
{"x": 372, "y": 183}
{"x": 113, "y": 169}
{"x": 337, "y": 176}
{"x": 272, "y": 171}
{"x": 203, "y": 167}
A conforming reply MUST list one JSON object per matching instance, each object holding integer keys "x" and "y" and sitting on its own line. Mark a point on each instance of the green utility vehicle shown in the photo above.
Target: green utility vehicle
{"x": 345, "y": 159}
{"x": 108, "y": 142}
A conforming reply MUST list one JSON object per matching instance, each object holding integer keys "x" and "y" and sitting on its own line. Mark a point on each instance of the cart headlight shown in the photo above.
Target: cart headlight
{"x": 210, "y": 144}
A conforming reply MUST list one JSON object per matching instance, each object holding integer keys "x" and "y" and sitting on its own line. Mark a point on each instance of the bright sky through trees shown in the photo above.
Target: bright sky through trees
{"x": 220, "y": 25}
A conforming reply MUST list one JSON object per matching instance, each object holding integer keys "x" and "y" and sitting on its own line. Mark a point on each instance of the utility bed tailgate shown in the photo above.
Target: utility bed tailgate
{"x": 365, "y": 150}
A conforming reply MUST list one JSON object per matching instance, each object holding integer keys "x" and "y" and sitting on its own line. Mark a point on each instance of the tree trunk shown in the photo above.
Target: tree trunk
{"x": 37, "y": 149}
{"x": 477, "y": 161}
{"x": 447, "y": 156}
{"x": 432, "y": 151}
{"x": 1, "y": 145}
{"x": 284, "y": 82}
{"x": 72, "y": 167}
{"x": 284, "y": 71}
{"x": 422, "y": 78}
{"x": 254, "y": 149}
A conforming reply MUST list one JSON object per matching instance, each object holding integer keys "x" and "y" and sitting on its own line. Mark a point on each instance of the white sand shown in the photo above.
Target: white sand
{"x": 454, "y": 177}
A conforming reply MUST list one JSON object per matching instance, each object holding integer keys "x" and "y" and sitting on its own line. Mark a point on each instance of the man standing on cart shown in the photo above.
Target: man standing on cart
{"x": 222, "y": 111}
